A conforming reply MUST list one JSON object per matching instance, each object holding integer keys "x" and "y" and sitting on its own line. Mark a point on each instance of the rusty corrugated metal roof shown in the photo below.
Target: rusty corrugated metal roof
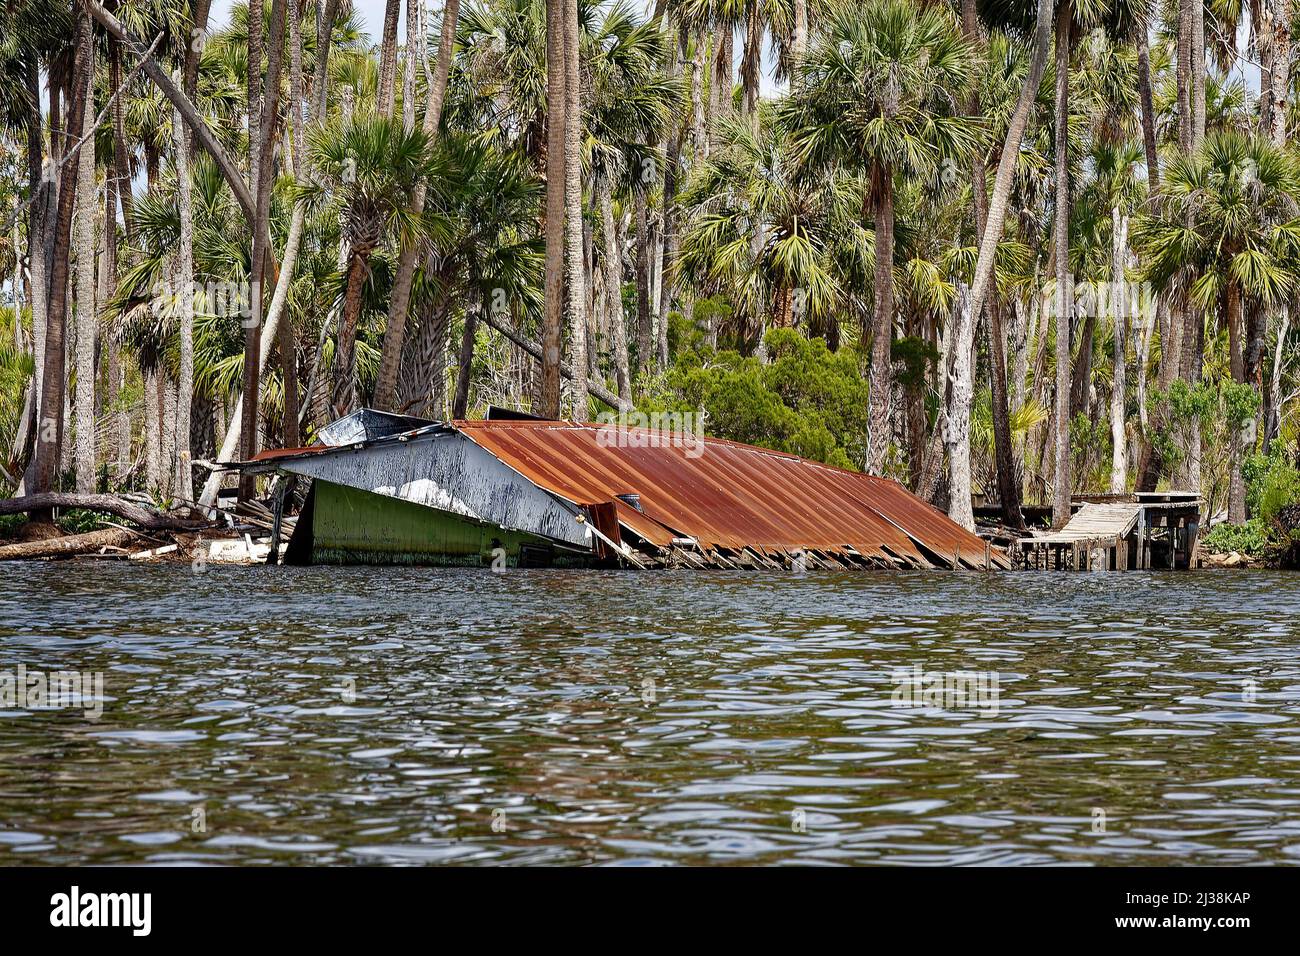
{"x": 729, "y": 495}
{"x": 723, "y": 494}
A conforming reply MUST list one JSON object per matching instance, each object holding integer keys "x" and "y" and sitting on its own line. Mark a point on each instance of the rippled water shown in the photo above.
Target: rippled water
{"x": 580, "y": 717}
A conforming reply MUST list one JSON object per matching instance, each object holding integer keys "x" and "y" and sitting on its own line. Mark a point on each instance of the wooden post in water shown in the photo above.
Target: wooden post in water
{"x": 282, "y": 487}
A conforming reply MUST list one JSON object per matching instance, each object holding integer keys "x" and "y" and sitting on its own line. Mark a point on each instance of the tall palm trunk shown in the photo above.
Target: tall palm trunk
{"x": 121, "y": 166}
{"x": 232, "y": 441}
{"x": 644, "y": 323}
{"x": 1148, "y": 468}
{"x": 671, "y": 239}
{"x": 617, "y": 321}
{"x": 49, "y": 435}
{"x": 880, "y": 398}
{"x": 399, "y": 301}
{"x": 185, "y": 279}
{"x": 1237, "y": 367}
{"x": 957, "y": 434}
{"x": 750, "y": 62}
{"x": 990, "y": 232}
{"x": 414, "y": 52}
{"x": 1061, "y": 240}
{"x": 553, "y": 289}
{"x": 1119, "y": 300}
{"x": 250, "y": 425}
{"x": 388, "y": 57}
{"x": 720, "y": 87}
{"x": 86, "y": 312}
{"x": 465, "y": 360}
{"x": 256, "y": 11}
{"x": 345, "y": 355}
{"x": 799, "y": 34}
{"x": 575, "y": 259}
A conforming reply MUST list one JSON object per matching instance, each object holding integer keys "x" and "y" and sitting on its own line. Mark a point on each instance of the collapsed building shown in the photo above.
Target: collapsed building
{"x": 392, "y": 489}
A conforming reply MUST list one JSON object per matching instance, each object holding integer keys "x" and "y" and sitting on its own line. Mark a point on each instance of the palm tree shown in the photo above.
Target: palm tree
{"x": 632, "y": 104}
{"x": 882, "y": 88}
{"x": 575, "y": 267}
{"x": 557, "y": 118}
{"x": 86, "y": 314}
{"x": 399, "y": 302}
{"x": 51, "y": 420}
{"x": 1227, "y": 234}
{"x": 388, "y": 57}
{"x": 371, "y": 167}
{"x": 763, "y": 231}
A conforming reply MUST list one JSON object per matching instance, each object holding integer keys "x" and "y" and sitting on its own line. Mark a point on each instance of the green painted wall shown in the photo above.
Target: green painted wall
{"x": 351, "y": 526}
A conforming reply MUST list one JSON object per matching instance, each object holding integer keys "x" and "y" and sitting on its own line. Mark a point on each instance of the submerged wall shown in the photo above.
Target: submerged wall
{"x": 351, "y": 526}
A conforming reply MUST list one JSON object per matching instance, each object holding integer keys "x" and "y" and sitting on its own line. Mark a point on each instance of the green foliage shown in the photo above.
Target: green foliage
{"x": 808, "y": 400}
{"x": 80, "y": 521}
{"x": 1272, "y": 483}
{"x": 1252, "y": 538}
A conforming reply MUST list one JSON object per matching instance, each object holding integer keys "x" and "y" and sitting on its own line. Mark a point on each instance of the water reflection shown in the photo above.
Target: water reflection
{"x": 444, "y": 716}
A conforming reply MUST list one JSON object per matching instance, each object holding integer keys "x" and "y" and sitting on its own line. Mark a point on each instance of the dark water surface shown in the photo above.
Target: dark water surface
{"x": 591, "y": 717}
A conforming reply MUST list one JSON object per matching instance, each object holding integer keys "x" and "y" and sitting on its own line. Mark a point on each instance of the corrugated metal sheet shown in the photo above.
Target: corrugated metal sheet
{"x": 728, "y": 495}
{"x": 722, "y": 494}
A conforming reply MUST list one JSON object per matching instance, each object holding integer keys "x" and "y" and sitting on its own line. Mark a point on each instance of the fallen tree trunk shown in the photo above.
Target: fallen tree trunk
{"x": 147, "y": 518}
{"x": 68, "y": 545}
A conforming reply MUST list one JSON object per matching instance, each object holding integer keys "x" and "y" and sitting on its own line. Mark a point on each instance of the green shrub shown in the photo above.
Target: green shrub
{"x": 1252, "y": 538}
{"x": 1272, "y": 483}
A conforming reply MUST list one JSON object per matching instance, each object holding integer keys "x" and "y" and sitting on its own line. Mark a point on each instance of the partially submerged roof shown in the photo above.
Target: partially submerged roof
{"x": 680, "y": 490}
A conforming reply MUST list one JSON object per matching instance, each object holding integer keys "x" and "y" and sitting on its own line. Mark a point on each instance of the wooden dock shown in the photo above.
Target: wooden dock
{"x": 1139, "y": 532}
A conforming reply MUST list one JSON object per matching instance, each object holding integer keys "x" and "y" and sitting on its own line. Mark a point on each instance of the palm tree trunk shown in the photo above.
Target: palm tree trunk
{"x": 232, "y": 440}
{"x": 460, "y": 405}
{"x": 1148, "y": 468}
{"x": 957, "y": 434}
{"x": 644, "y": 345}
{"x": 185, "y": 277}
{"x": 153, "y": 424}
{"x": 989, "y": 224}
{"x": 613, "y": 264}
{"x": 345, "y": 357}
{"x": 798, "y": 36}
{"x": 749, "y": 64}
{"x": 882, "y": 377}
{"x": 388, "y": 58}
{"x": 121, "y": 166}
{"x": 250, "y": 424}
{"x": 553, "y": 289}
{"x": 399, "y": 302}
{"x": 720, "y": 88}
{"x": 671, "y": 238}
{"x": 256, "y": 13}
{"x": 414, "y": 45}
{"x": 86, "y": 311}
{"x": 1278, "y": 20}
{"x": 49, "y": 436}
{"x": 193, "y": 49}
{"x": 1061, "y": 239}
{"x": 574, "y": 260}
{"x": 1119, "y": 300}
{"x": 1237, "y": 367}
